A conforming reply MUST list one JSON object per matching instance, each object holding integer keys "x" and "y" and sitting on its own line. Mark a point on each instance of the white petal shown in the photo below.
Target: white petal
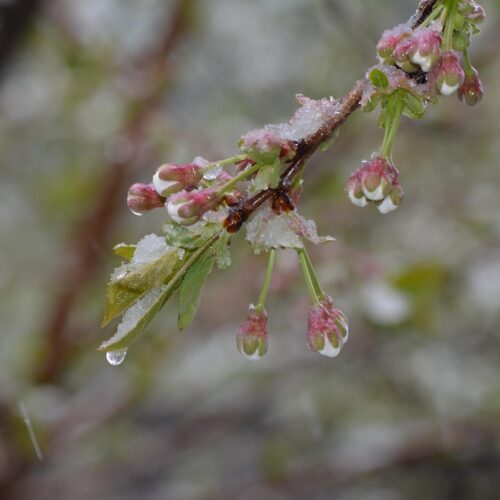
{"x": 359, "y": 202}
{"x": 173, "y": 211}
{"x": 162, "y": 187}
{"x": 425, "y": 62}
{"x": 376, "y": 195}
{"x": 387, "y": 206}
{"x": 447, "y": 89}
{"x": 329, "y": 350}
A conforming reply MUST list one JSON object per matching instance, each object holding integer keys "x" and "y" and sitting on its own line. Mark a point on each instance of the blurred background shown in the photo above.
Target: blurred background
{"x": 94, "y": 95}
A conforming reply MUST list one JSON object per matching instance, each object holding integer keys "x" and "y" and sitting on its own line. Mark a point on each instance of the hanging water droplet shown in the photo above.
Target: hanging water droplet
{"x": 115, "y": 358}
{"x": 212, "y": 172}
{"x": 135, "y": 212}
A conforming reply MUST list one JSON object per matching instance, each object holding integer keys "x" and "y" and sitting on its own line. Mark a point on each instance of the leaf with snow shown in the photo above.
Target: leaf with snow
{"x": 286, "y": 230}
{"x": 138, "y": 316}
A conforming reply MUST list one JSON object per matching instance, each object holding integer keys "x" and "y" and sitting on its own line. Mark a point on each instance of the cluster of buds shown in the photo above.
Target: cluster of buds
{"x": 327, "y": 328}
{"x": 252, "y": 336}
{"x": 187, "y": 191}
{"x": 376, "y": 181}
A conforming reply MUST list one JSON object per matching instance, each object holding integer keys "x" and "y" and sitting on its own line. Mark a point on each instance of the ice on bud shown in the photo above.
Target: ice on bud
{"x": 447, "y": 75}
{"x": 188, "y": 207}
{"x": 402, "y": 53}
{"x": 252, "y": 336}
{"x": 425, "y": 48}
{"x": 388, "y": 42}
{"x": 471, "y": 91}
{"x": 327, "y": 328}
{"x": 372, "y": 182}
{"x": 170, "y": 178}
{"x": 264, "y": 145}
{"x": 142, "y": 198}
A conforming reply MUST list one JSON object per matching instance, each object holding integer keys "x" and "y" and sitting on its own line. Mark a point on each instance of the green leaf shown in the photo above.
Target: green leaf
{"x": 190, "y": 289}
{"x": 135, "y": 281}
{"x": 138, "y": 316}
{"x": 379, "y": 79}
{"x": 124, "y": 250}
{"x": 414, "y": 106}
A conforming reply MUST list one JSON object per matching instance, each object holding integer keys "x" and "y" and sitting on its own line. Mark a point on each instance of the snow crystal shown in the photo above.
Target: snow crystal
{"x": 307, "y": 119}
{"x": 150, "y": 248}
{"x": 133, "y": 315}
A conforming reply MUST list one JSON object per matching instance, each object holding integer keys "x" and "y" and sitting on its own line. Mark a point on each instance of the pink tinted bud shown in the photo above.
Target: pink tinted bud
{"x": 447, "y": 75}
{"x": 188, "y": 207}
{"x": 170, "y": 178}
{"x": 252, "y": 336}
{"x": 263, "y": 145}
{"x": 477, "y": 14}
{"x": 142, "y": 198}
{"x": 471, "y": 91}
{"x": 402, "y": 53}
{"x": 426, "y": 49}
{"x": 388, "y": 42}
{"x": 327, "y": 328}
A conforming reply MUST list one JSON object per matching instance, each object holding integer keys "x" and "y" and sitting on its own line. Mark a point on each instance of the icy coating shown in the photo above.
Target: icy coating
{"x": 269, "y": 230}
{"x": 150, "y": 248}
{"x": 133, "y": 315}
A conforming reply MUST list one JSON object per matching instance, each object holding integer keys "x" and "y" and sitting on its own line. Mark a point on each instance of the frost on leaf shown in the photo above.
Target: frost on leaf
{"x": 269, "y": 230}
{"x": 135, "y": 319}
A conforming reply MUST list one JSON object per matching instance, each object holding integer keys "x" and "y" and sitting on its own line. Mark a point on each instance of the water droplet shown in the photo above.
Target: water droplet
{"x": 212, "y": 172}
{"x": 135, "y": 212}
{"x": 115, "y": 358}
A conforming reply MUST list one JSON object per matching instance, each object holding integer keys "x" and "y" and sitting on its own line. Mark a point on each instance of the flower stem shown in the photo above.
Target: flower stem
{"x": 307, "y": 276}
{"x": 238, "y": 178}
{"x": 438, "y": 9}
{"x": 227, "y": 161}
{"x": 468, "y": 68}
{"x": 267, "y": 281}
{"x": 394, "y": 111}
{"x": 450, "y": 22}
{"x": 317, "y": 287}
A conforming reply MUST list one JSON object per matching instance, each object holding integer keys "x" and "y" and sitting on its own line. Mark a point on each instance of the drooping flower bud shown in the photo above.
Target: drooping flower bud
{"x": 188, "y": 207}
{"x": 376, "y": 181}
{"x": 252, "y": 336}
{"x": 447, "y": 75}
{"x": 388, "y": 42}
{"x": 471, "y": 91}
{"x": 170, "y": 178}
{"x": 425, "y": 48}
{"x": 327, "y": 328}
{"x": 402, "y": 55}
{"x": 142, "y": 198}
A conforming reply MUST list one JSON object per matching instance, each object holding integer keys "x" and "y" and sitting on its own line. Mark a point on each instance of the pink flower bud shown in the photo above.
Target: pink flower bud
{"x": 471, "y": 91}
{"x": 327, "y": 328}
{"x": 477, "y": 13}
{"x": 447, "y": 75}
{"x": 170, "y": 178}
{"x": 188, "y": 207}
{"x": 263, "y": 145}
{"x": 252, "y": 336}
{"x": 142, "y": 198}
{"x": 388, "y": 42}
{"x": 425, "y": 48}
{"x": 374, "y": 182}
{"x": 402, "y": 53}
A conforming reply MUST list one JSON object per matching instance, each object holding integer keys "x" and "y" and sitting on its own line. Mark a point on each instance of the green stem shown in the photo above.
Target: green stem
{"x": 394, "y": 111}
{"x": 468, "y": 68}
{"x": 267, "y": 281}
{"x": 317, "y": 287}
{"x": 438, "y": 9}
{"x": 450, "y": 23}
{"x": 307, "y": 277}
{"x": 227, "y": 161}
{"x": 240, "y": 177}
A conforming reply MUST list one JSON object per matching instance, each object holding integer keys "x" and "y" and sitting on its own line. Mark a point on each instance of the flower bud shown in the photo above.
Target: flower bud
{"x": 188, "y": 207}
{"x": 392, "y": 200}
{"x": 388, "y": 42}
{"x": 142, "y": 198}
{"x": 447, "y": 75}
{"x": 402, "y": 55}
{"x": 477, "y": 15}
{"x": 425, "y": 48}
{"x": 170, "y": 178}
{"x": 327, "y": 328}
{"x": 252, "y": 336}
{"x": 264, "y": 145}
{"x": 471, "y": 91}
